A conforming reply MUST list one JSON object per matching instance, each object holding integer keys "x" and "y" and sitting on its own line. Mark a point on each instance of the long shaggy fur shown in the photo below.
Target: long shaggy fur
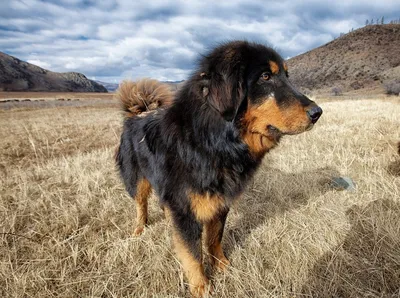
{"x": 200, "y": 151}
{"x": 144, "y": 95}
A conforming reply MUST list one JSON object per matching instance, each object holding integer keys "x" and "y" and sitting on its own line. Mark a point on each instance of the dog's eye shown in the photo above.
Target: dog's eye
{"x": 265, "y": 76}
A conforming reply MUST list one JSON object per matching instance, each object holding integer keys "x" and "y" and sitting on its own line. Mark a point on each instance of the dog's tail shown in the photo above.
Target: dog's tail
{"x": 143, "y": 95}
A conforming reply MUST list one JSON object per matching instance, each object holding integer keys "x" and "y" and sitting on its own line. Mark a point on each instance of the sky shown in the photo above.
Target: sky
{"x": 112, "y": 40}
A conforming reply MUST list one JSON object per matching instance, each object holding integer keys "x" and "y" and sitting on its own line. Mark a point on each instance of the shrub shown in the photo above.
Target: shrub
{"x": 392, "y": 87}
{"x": 337, "y": 91}
{"x": 356, "y": 85}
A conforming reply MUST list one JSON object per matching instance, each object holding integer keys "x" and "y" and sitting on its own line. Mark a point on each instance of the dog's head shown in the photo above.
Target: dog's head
{"x": 248, "y": 84}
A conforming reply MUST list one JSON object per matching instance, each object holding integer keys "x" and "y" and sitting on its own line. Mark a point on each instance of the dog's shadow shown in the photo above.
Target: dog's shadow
{"x": 394, "y": 168}
{"x": 367, "y": 263}
{"x": 274, "y": 192}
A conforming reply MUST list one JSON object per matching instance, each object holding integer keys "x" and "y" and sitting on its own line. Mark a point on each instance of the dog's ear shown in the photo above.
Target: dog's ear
{"x": 227, "y": 90}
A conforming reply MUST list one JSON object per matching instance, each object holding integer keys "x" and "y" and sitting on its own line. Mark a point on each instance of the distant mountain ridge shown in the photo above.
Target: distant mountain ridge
{"x": 111, "y": 87}
{"x": 18, "y": 75}
{"x": 363, "y": 58}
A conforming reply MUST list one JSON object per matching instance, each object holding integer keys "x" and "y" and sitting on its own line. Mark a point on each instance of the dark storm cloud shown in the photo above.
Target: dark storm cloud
{"x": 117, "y": 39}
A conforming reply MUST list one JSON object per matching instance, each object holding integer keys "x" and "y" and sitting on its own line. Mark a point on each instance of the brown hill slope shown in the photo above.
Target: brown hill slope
{"x": 17, "y": 75}
{"x": 364, "y": 58}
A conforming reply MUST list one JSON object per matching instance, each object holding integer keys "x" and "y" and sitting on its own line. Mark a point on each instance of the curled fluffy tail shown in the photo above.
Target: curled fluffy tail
{"x": 142, "y": 96}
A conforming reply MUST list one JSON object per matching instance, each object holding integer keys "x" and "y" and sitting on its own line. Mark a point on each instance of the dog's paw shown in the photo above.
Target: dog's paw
{"x": 201, "y": 290}
{"x": 138, "y": 231}
{"x": 221, "y": 264}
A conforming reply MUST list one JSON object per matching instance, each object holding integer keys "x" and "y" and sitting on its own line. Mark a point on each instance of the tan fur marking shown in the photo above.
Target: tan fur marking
{"x": 292, "y": 119}
{"x": 274, "y": 67}
{"x": 147, "y": 113}
{"x": 258, "y": 144}
{"x": 142, "y": 194}
{"x": 285, "y": 66}
{"x": 214, "y": 247}
{"x": 194, "y": 271}
{"x": 205, "y": 207}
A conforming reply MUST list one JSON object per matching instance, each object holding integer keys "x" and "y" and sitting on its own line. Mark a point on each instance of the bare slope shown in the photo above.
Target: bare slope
{"x": 17, "y": 75}
{"x": 360, "y": 59}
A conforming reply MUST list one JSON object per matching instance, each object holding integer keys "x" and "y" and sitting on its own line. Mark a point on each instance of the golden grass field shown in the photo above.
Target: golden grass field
{"x": 66, "y": 221}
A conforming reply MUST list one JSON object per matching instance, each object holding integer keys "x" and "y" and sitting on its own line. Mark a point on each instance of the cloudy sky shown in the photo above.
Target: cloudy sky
{"x": 110, "y": 40}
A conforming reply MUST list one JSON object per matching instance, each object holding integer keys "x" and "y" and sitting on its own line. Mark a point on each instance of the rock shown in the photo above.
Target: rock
{"x": 343, "y": 183}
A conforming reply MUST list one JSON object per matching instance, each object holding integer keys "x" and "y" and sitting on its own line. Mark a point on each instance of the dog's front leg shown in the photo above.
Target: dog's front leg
{"x": 187, "y": 243}
{"x": 214, "y": 232}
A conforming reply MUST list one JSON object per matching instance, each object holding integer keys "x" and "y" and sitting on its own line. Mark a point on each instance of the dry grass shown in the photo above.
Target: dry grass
{"x": 39, "y": 100}
{"x": 4, "y": 95}
{"x": 66, "y": 221}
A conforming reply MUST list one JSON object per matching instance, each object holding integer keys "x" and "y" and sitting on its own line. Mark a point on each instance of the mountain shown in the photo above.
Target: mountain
{"x": 174, "y": 85}
{"x": 17, "y": 75}
{"x": 111, "y": 87}
{"x": 364, "y": 58}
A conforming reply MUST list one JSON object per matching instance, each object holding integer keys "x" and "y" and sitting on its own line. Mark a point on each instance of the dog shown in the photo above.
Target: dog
{"x": 199, "y": 148}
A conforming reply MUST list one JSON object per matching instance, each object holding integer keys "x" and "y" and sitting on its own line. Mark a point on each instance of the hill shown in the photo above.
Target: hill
{"x": 174, "y": 85}
{"x": 17, "y": 75}
{"x": 111, "y": 87}
{"x": 364, "y": 58}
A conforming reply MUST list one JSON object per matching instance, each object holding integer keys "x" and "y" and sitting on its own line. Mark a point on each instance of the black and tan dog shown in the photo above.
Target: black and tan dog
{"x": 199, "y": 148}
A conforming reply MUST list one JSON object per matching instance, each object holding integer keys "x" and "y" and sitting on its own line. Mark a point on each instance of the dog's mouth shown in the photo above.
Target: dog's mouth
{"x": 276, "y": 133}
{"x": 273, "y": 131}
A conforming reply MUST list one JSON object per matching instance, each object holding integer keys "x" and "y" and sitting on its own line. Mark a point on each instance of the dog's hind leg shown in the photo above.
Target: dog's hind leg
{"x": 143, "y": 191}
{"x": 136, "y": 184}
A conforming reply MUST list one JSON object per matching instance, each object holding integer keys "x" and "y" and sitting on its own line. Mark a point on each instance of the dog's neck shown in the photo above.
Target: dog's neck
{"x": 259, "y": 144}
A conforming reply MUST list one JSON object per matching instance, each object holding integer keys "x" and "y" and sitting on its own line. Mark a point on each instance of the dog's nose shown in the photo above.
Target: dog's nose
{"x": 314, "y": 113}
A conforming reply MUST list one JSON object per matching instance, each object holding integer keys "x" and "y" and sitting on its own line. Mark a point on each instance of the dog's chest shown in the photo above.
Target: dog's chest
{"x": 205, "y": 207}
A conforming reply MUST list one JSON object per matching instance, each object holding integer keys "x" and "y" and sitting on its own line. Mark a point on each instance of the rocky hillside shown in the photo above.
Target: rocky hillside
{"x": 111, "y": 87}
{"x": 364, "y": 58}
{"x": 17, "y": 75}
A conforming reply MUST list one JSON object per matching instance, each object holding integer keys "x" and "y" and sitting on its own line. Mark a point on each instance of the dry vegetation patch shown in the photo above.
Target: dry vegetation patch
{"x": 66, "y": 221}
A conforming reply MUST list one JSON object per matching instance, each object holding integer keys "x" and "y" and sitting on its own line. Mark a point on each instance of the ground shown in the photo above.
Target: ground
{"x": 67, "y": 222}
